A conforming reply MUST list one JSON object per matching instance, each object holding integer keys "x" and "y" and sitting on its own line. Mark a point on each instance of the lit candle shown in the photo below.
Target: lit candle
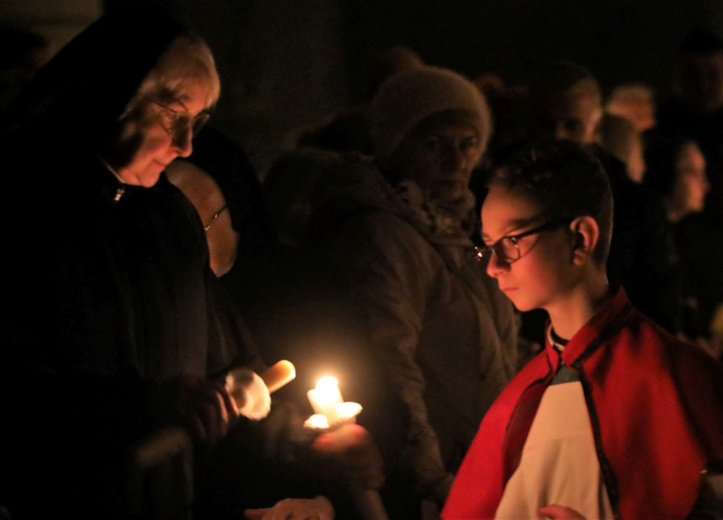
{"x": 326, "y": 398}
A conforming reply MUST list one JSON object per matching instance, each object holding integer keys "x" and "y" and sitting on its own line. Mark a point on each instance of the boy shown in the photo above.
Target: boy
{"x": 615, "y": 418}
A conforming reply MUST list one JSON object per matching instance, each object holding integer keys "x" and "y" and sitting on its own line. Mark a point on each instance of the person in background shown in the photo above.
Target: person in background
{"x": 508, "y": 103}
{"x": 265, "y": 462}
{"x": 24, "y": 51}
{"x": 349, "y": 130}
{"x": 116, "y": 335}
{"x": 664, "y": 287}
{"x": 566, "y": 103}
{"x": 294, "y": 174}
{"x": 566, "y": 439}
{"x": 696, "y": 110}
{"x": 634, "y": 101}
{"x": 623, "y": 140}
{"x": 398, "y": 227}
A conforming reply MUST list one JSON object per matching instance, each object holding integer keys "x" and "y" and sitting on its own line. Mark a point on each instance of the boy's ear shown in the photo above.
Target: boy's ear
{"x": 587, "y": 234}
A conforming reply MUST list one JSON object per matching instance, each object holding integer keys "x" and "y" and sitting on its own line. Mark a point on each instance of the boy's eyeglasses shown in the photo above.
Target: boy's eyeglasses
{"x": 214, "y": 217}
{"x": 176, "y": 123}
{"x": 507, "y": 248}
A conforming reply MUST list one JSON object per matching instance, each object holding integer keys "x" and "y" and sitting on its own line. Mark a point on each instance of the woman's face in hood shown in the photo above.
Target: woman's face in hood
{"x": 158, "y": 133}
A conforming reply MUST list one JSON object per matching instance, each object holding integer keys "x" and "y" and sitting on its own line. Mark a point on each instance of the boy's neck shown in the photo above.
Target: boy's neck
{"x": 571, "y": 313}
{"x": 555, "y": 340}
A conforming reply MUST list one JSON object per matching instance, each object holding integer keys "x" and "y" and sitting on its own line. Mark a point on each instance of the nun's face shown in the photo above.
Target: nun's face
{"x": 160, "y": 132}
{"x": 439, "y": 154}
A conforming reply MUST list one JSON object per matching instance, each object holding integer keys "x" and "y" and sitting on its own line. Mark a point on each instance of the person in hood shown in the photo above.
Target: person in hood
{"x": 112, "y": 331}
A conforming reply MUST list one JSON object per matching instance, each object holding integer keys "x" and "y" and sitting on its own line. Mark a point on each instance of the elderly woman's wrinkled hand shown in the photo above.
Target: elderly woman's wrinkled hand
{"x": 318, "y": 508}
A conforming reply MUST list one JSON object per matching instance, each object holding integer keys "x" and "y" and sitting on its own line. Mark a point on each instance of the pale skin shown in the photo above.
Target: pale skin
{"x": 157, "y": 147}
{"x": 555, "y": 272}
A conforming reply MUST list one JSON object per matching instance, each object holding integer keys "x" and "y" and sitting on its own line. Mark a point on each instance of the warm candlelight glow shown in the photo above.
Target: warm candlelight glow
{"x": 325, "y": 398}
{"x": 329, "y": 407}
{"x": 317, "y": 422}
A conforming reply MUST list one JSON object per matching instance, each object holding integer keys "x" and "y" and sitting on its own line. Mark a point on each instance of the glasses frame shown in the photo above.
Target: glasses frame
{"x": 180, "y": 121}
{"x": 484, "y": 253}
{"x": 214, "y": 218}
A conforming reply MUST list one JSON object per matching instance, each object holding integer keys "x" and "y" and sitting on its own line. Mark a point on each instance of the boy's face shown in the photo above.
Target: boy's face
{"x": 543, "y": 270}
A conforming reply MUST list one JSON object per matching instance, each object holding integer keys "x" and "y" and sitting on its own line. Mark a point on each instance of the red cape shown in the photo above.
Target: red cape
{"x": 656, "y": 407}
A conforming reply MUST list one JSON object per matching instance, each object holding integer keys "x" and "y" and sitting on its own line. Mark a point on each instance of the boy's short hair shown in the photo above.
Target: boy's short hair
{"x": 565, "y": 179}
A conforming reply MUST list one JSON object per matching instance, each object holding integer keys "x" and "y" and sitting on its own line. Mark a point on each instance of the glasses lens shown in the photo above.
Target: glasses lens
{"x": 199, "y": 122}
{"x": 507, "y": 249}
{"x": 482, "y": 254}
{"x": 181, "y": 122}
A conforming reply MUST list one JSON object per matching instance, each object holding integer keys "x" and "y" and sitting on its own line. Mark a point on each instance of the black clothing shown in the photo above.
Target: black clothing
{"x": 346, "y": 132}
{"x": 661, "y": 286}
{"x": 702, "y": 233}
{"x": 108, "y": 294}
{"x": 293, "y": 308}
{"x": 631, "y": 221}
{"x": 220, "y": 157}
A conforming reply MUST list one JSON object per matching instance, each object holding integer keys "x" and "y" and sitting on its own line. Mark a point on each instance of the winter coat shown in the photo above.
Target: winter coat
{"x": 444, "y": 332}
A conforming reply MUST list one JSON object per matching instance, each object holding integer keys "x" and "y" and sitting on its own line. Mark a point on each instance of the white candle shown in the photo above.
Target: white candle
{"x": 325, "y": 398}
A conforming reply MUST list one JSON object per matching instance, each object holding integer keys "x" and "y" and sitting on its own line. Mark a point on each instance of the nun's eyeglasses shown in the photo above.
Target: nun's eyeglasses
{"x": 176, "y": 123}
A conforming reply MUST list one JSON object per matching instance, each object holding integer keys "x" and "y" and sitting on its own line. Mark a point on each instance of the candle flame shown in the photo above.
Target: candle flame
{"x": 327, "y": 383}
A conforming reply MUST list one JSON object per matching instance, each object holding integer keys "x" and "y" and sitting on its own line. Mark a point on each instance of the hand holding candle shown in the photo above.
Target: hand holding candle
{"x": 349, "y": 445}
{"x": 354, "y": 453}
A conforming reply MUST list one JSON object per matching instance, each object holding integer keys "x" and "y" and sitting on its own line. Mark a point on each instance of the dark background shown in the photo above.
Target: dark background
{"x": 285, "y": 64}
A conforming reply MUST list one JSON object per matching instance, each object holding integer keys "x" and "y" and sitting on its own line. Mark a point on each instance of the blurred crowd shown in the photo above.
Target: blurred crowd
{"x": 160, "y": 278}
